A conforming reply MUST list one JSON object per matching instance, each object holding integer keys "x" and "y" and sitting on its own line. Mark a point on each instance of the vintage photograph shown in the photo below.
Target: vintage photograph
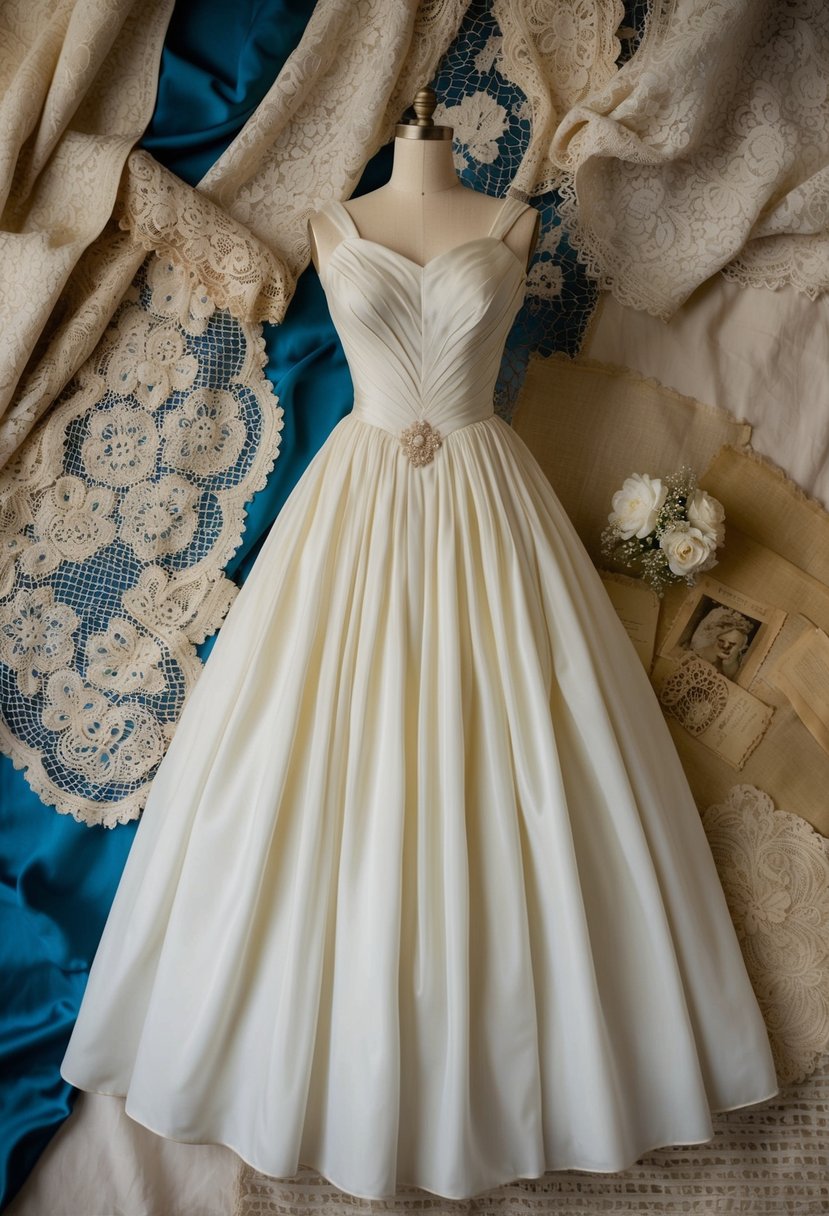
{"x": 729, "y": 630}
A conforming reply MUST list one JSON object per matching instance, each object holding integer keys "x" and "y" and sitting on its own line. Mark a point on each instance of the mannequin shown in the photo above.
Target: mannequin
{"x": 424, "y": 209}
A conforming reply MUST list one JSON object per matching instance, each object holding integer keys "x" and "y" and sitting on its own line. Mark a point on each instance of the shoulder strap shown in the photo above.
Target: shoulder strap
{"x": 509, "y": 212}
{"x": 340, "y": 217}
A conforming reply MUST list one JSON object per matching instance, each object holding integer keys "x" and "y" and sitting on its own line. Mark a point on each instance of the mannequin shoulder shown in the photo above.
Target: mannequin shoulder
{"x": 323, "y": 237}
{"x": 522, "y": 236}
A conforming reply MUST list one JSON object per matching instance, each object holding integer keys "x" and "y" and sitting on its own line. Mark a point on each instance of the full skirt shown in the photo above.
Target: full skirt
{"x": 421, "y": 896}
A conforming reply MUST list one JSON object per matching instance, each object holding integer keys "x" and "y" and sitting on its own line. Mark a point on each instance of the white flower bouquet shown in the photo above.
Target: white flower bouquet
{"x": 665, "y": 529}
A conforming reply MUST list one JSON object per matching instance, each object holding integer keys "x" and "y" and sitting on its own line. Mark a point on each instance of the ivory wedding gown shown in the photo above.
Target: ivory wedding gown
{"x": 420, "y": 895}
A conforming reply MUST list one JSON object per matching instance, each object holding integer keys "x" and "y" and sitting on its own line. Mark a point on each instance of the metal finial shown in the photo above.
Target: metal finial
{"x": 423, "y": 126}
{"x": 424, "y": 106}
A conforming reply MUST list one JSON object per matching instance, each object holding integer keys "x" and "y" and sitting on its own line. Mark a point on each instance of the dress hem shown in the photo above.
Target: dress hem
{"x": 402, "y": 1186}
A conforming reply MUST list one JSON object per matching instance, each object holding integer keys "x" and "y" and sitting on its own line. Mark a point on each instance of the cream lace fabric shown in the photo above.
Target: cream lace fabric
{"x": 710, "y": 145}
{"x": 239, "y": 273}
{"x": 118, "y": 517}
{"x": 558, "y": 52}
{"x": 334, "y": 104}
{"x": 774, "y": 869}
{"x": 77, "y": 87}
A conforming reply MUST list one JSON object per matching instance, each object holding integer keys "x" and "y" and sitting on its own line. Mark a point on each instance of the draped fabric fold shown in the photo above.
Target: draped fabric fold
{"x": 334, "y": 104}
{"x": 162, "y": 213}
{"x": 558, "y": 54}
{"x": 243, "y": 231}
{"x": 711, "y": 144}
{"x": 78, "y": 81}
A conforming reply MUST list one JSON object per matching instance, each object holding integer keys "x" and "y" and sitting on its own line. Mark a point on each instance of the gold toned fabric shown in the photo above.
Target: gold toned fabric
{"x": 590, "y": 426}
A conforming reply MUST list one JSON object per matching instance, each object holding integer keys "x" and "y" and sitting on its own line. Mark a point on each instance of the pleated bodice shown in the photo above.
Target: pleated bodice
{"x": 424, "y": 342}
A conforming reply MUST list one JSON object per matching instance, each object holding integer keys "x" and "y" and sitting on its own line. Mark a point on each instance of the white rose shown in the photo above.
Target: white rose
{"x": 707, "y": 514}
{"x": 637, "y": 504}
{"x": 687, "y": 549}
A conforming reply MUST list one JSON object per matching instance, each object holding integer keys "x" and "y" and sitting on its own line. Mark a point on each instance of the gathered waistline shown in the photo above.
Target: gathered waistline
{"x": 445, "y": 426}
{"x": 419, "y": 439}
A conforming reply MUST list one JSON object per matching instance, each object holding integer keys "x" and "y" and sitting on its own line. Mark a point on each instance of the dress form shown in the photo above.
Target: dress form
{"x": 424, "y": 209}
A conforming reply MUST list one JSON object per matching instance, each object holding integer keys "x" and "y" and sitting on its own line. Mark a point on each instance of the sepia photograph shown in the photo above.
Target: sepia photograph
{"x": 726, "y": 628}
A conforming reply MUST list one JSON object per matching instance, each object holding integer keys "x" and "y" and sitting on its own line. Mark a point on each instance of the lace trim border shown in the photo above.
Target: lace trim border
{"x": 164, "y": 214}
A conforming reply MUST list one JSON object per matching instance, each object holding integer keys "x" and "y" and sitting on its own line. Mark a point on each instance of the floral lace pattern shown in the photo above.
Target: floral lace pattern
{"x": 695, "y": 694}
{"x": 557, "y": 52}
{"x": 335, "y": 102}
{"x": 711, "y": 138}
{"x": 225, "y": 265}
{"x": 79, "y": 84}
{"x": 774, "y": 869}
{"x": 118, "y": 517}
{"x": 494, "y": 132}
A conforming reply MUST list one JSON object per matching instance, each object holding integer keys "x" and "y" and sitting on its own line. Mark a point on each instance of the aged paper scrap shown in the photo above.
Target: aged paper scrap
{"x": 726, "y": 627}
{"x": 637, "y": 606}
{"x": 802, "y": 674}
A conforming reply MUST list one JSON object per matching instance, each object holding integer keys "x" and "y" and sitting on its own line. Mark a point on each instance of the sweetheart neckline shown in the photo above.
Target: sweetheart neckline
{"x": 477, "y": 240}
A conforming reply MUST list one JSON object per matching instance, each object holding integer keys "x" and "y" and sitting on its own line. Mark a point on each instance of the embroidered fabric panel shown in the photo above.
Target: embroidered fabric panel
{"x": 707, "y": 151}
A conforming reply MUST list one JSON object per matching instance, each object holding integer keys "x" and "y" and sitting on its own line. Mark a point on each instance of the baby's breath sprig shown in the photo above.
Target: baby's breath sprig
{"x": 664, "y": 530}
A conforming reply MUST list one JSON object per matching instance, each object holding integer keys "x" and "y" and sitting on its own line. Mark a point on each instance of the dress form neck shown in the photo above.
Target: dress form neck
{"x": 423, "y": 166}
{"x": 424, "y": 209}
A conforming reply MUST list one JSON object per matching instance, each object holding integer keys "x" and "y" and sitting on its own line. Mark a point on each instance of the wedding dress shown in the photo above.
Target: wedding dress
{"x": 420, "y": 895}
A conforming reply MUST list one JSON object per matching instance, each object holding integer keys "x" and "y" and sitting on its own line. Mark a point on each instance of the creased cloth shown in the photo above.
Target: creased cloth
{"x": 77, "y": 88}
{"x": 708, "y": 149}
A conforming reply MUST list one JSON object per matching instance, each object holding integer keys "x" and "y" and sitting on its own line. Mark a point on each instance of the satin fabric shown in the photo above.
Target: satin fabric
{"x": 421, "y": 896}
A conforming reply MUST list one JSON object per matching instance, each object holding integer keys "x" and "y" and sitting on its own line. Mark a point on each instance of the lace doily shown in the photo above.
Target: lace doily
{"x": 695, "y": 694}
{"x": 774, "y": 869}
{"x": 118, "y": 517}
